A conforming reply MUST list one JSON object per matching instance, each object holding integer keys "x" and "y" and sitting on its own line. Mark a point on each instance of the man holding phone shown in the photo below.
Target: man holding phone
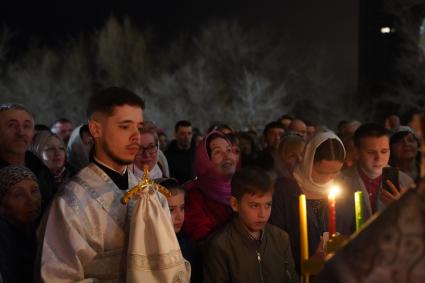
{"x": 372, "y": 153}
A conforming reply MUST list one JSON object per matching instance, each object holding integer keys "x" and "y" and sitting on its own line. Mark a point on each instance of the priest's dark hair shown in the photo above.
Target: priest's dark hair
{"x": 106, "y": 99}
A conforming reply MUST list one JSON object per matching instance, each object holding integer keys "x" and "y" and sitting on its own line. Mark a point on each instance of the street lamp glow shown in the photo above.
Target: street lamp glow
{"x": 385, "y": 30}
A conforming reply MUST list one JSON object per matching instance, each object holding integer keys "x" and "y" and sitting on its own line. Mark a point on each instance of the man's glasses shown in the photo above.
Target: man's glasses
{"x": 150, "y": 149}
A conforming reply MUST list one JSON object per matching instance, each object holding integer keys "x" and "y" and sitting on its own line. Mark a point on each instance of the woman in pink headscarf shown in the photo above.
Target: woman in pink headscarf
{"x": 208, "y": 199}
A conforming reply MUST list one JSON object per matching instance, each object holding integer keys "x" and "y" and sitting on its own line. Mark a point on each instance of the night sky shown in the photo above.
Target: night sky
{"x": 51, "y": 21}
{"x": 331, "y": 26}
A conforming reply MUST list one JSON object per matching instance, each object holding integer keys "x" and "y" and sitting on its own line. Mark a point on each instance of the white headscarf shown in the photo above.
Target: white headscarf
{"x": 302, "y": 173}
{"x": 76, "y": 153}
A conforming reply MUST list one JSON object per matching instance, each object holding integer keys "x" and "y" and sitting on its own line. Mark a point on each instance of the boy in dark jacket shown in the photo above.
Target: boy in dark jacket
{"x": 249, "y": 249}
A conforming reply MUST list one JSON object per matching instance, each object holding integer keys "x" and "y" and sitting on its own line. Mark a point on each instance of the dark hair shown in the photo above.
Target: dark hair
{"x": 395, "y": 138}
{"x": 330, "y": 149}
{"x": 214, "y": 136}
{"x": 182, "y": 123}
{"x": 249, "y": 138}
{"x": 251, "y": 180}
{"x": 41, "y": 127}
{"x": 309, "y": 123}
{"x": 341, "y": 124}
{"x": 106, "y": 99}
{"x": 369, "y": 130}
{"x": 219, "y": 127}
{"x": 272, "y": 125}
{"x": 84, "y": 128}
{"x": 172, "y": 185}
{"x": 407, "y": 117}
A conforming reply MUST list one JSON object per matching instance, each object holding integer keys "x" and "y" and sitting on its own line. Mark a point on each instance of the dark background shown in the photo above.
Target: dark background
{"x": 346, "y": 32}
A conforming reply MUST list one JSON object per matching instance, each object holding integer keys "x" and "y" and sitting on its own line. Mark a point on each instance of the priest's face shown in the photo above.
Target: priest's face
{"x": 117, "y": 136}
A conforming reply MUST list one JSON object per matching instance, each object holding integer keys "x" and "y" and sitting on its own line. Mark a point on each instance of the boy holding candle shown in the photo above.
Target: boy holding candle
{"x": 248, "y": 249}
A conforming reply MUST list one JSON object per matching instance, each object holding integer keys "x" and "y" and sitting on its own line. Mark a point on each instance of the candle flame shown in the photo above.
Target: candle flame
{"x": 334, "y": 191}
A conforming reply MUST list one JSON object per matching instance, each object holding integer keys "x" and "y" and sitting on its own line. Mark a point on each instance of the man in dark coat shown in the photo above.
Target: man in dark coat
{"x": 181, "y": 152}
{"x": 17, "y": 131}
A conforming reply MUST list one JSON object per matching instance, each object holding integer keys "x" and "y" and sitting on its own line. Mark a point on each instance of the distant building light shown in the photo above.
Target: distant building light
{"x": 386, "y": 30}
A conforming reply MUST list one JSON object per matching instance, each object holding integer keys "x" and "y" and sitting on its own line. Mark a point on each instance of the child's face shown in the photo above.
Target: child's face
{"x": 22, "y": 202}
{"x": 253, "y": 210}
{"x": 176, "y": 205}
{"x": 373, "y": 155}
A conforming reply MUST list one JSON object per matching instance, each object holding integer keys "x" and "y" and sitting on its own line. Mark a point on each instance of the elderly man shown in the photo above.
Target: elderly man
{"x": 17, "y": 129}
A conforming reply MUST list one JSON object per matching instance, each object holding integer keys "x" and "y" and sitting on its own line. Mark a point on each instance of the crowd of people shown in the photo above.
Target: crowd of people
{"x": 233, "y": 195}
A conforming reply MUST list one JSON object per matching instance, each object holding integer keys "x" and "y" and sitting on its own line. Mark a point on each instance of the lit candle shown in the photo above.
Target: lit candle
{"x": 332, "y": 211}
{"x": 303, "y": 229}
{"x": 358, "y": 196}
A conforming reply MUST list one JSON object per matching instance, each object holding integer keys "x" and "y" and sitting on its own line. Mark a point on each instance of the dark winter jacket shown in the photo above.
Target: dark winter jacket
{"x": 191, "y": 251}
{"x": 232, "y": 256}
{"x": 180, "y": 162}
{"x": 17, "y": 253}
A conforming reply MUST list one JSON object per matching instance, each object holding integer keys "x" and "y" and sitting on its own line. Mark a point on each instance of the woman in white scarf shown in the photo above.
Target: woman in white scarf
{"x": 148, "y": 155}
{"x": 321, "y": 161}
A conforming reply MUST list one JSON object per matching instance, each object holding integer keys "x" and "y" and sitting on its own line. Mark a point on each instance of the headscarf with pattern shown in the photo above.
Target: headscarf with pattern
{"x": 11, "y": 175}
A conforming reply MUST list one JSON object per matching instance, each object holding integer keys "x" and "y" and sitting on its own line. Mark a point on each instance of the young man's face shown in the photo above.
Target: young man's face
{"x": 253, "y": 210}
{"x": 373, "y": 154}
{"x": 17, "y": 131}
{"x": 184, "y": 137}
{"x": 117, "y": 137}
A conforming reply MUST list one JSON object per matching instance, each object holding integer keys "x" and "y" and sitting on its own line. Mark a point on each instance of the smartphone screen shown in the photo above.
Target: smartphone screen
{"x": 390, "y": 173}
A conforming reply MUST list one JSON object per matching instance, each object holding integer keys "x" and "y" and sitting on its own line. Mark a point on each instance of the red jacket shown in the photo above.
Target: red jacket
{"x": 203, "y": 215}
